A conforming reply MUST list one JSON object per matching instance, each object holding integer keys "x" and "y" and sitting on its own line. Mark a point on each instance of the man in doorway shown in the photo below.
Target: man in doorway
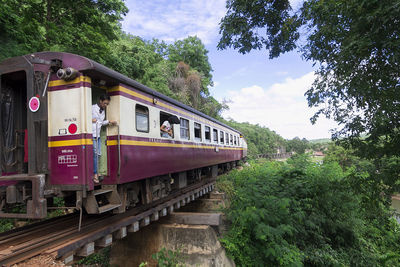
{"x": 98, "y": 120}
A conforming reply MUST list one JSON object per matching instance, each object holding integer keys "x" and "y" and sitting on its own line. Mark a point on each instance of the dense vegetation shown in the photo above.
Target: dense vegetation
{"x": 300, "y": 213}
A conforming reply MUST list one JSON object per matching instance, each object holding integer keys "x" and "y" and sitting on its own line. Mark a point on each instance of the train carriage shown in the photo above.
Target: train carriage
{"x": 47, "y": 147}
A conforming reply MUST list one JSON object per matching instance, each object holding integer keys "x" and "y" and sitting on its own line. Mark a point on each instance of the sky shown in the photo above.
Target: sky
{"x": 259, "y": 90}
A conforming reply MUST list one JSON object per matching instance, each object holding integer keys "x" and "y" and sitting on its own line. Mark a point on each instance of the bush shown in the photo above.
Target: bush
{"x": 169, "y": 258}
{"x": 299, "y": 213}
{"x": 102, "y": 258}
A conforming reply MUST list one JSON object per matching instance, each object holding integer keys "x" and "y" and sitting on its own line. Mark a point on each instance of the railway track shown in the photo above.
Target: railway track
{"x": 60, "y": 236}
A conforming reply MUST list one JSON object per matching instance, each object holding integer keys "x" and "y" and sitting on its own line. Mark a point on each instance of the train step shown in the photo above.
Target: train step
{"x": 102, "y": 200}
{"x": 108, "y": 207}
{"x": 102, "y": 191}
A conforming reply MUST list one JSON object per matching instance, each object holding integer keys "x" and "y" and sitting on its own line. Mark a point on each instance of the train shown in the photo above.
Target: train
{"x": 46, "y": 139}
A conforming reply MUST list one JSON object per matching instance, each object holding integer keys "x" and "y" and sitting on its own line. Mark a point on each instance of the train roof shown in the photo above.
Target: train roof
{"x": 112, "y": 77}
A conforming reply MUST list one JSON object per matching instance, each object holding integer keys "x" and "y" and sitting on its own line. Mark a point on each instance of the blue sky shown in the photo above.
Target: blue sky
{"x": 260, "y": 90}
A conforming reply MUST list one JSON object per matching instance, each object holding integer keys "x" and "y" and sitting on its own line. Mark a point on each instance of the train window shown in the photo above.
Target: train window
{"x": 142, "y": 118}
{"x": 227, "y": 138}
{"x": 234, "y": 140}
{"x": 215, "y": 135}
{"x": 165, "y": 120}
{"x": 231, "y": 139}
{"x": 197, "y": 131}
{"x": 207, "y": 133}
{"x": 221, "y": 136}
{"x": 184, "y": 128}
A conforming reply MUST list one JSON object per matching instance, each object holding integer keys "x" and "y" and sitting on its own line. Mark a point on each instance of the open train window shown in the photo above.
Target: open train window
{"x": 184, "y": 128}
{"x": 207, "y": 133}
{"x": 164, "y": 121}
{"x": 231, "y": 139}
{"x": 221, "y": 136}
{"x": 142, "y": 118}
{"x": 234, "y": 140}
{"x": 227, "y": 138}
{"x": 215, "y": 135}
{"x": 197, "y": 131}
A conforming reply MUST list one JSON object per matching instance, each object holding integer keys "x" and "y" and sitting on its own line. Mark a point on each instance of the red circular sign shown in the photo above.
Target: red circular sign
{"x": 34, "y": 104}
{"x": 72, "y": 128}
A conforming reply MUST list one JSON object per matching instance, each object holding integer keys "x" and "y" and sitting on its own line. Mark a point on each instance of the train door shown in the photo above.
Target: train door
{"x": 23, "y": 134}
{"x": 14, "y": 154}
{"x": 102, "y": 168}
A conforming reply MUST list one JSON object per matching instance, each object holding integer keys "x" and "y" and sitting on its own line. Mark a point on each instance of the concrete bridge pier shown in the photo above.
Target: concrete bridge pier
{"x": 193, "y": 231}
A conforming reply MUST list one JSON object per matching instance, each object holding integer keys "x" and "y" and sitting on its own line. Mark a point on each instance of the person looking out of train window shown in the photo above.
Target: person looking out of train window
{"x": 98, "y": 120}
{"x": 166, "y": 128}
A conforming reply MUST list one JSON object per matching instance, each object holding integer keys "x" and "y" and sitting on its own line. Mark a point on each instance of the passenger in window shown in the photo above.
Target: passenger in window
{"x": 98, "y": 120}
{"x": 166, "y": 128}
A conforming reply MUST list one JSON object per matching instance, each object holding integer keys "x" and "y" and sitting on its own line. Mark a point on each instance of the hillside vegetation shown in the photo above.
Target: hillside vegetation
{"x": 299, "y": 213}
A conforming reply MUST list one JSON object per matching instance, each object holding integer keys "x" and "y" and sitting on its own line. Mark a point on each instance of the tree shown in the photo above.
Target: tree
{"x": 140, "y": 60}
{"x": 298, "y": 145}
{"x": 192, "y": 52}
{"x": 38, "y": 25}
{"x": 354, "y": 43}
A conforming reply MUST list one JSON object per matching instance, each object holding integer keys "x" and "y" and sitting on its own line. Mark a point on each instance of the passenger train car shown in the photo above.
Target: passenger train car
{"x": 47, "y": 147}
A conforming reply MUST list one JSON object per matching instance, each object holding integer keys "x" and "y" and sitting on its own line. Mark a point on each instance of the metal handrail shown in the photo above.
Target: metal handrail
{"x": 119, "y": 151}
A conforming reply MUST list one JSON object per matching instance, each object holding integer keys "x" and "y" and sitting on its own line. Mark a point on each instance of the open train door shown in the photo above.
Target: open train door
{"x": 23, "y": 116}
{"x": 23, "y": 136}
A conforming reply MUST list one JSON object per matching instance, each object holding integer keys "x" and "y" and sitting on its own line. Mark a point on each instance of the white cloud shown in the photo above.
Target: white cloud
{"x": 282, "y": 107}
{"x": 174, "y": 20}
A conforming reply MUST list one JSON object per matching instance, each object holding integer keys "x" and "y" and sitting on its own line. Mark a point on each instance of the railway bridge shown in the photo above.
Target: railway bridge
{"x": 61, "y": 238}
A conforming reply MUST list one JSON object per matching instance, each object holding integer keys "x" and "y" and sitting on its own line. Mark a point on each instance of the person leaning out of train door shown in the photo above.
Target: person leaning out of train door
{"x": 98, "y": 120}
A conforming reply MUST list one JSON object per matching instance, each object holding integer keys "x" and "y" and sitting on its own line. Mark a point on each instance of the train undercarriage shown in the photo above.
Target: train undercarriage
{"x": 28, "y": 197}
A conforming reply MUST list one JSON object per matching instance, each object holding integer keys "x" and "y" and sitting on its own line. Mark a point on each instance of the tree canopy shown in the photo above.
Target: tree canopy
{"x": 38, "y": 25}
{"x": 354, "y": 43}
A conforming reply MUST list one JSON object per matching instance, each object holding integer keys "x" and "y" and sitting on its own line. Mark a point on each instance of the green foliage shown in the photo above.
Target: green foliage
{"x": 193, "y": 52}
{"x": 57, "y": 202}
{"x": 300, "y": 213}
{"x": 168, "y": 258}
{"x": 260, "y": 140}
{"x": 320, "y": 144}
{"x": 6, "y": 225}
{"x": 298, "y": 145}
{"x": 102, "y": 258}
{"x": 28, "y": 26}
{"x": 345, "y": 157}
{"x": 240, "y": 26}
{"x": 139, "y": 60}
